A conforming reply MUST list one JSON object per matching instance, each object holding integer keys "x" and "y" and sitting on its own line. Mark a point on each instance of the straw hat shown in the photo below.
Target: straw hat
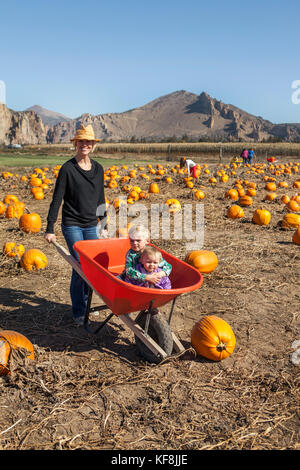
{"x": 85, "y": 133}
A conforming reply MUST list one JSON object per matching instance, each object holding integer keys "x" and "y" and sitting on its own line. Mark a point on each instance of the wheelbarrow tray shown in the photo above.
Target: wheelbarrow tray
{"x": 103, "y": 260}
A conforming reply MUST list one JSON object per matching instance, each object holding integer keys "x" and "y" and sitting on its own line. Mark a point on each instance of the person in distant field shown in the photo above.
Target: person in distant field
{"x": 150, "y": 260}
{"x": 80, "y": 184}
{"x": 251, "y": 156}
{"x": 191, "y": 166}
{"x": 244, "y": 156}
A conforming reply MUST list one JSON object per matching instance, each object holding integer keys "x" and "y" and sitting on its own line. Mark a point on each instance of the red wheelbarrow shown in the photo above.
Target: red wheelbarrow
{"x": 101, "y": 261}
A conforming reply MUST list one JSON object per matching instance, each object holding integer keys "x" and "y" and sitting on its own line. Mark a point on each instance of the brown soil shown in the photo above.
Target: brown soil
{"x": 85, "y": 392}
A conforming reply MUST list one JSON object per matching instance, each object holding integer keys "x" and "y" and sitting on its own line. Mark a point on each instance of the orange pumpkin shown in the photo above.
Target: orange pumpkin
{"x": 285, "y": 198}
{"x": 143, "y": 195}
{"x": 245, "y": 201}
{"x": 173, "y": 205}
{"x": 33, "y": 259}
{"x": 296, "y": 237}
{"x": 291, "y": 220}
{"x": 15, "y": 210}
{"x": 11, "y": 249}
{"x": 12, "y": 340}
{"x": 112, "y": 184}
{"x": 261, "y": 217}
{"x": 213, "y": 338}
{"x": 293, "y": 205}
{"x": 251, "y": 192}
{"x": 2, "y": 208}
{"x": 10, "y": 198}
{"x": 199, "y": 194}
{"x": 232, "y": 194}
{"x": 30, "y": 223}
{"x": 154, "y": 188}
{"x": 38, "y": 195}
{"x": 270, "y": 186}
{"x": 270, "y": 197}
{"x": 235, "y": 212}
{"x": 204, "y": 261}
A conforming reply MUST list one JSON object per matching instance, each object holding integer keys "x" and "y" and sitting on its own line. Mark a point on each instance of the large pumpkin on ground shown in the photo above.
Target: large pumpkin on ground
{"x": 232, "y": 194}
{"x": 2, "y": 208}
{"x": 12, "y": 340}
{"x": 11, "y": 249}
{"x": 10, "y": 199}
{"x": 235, "y": 212}
{"x": 30, "y": 223}
{"x": 173, "y": 205}
{"x": 153, "y": 188}
{"x": 296, "y": 237}
{"x": 261, "y": 217}
{"x": 204, "y": 261}
{"x": 245, "y": 201}
{"x": 33, "y": 259}
{"x": 291, "y": 220}
{"x": 213, "y": 338}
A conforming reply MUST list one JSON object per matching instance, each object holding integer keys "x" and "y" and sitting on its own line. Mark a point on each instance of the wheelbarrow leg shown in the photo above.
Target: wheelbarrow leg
{"x": 178, "y": 346}
{"x": 87, "y": 313}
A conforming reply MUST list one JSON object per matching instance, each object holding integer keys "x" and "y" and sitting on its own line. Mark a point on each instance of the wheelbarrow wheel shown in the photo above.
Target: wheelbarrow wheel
{"x": 159, "y": 330}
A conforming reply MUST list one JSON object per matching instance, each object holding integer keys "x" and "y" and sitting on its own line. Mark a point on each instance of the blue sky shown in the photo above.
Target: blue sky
{"x": 99, "y": 57}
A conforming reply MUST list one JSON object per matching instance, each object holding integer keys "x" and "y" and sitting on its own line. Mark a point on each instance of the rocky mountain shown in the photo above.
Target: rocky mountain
{"x": 49, "y": 118}
{"x": 175, "y": 115}
{"x": 178, "y": 114}
{"x": 20, "y": 127}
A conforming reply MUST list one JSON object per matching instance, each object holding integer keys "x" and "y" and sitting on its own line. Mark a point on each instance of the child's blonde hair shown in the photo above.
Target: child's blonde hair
{"x": 139, "y": 231}
{"x": 151, "y": 250}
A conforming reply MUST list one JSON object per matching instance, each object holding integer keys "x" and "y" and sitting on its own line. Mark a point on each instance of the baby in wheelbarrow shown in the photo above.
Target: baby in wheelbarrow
{"x": 144, "y": 265}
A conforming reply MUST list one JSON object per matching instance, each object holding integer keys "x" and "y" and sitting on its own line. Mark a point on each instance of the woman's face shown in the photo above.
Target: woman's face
{"x": 84, "y": 147}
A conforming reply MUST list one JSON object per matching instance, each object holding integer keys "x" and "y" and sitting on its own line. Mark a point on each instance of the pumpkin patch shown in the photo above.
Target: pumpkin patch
{"x": 238, "y": 361}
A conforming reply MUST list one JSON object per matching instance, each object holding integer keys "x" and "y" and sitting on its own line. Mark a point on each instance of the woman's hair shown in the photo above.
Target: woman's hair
{"x": 139, "y": 231}
{"x": 151, "y": 250}
{"x": 182, "y": 162}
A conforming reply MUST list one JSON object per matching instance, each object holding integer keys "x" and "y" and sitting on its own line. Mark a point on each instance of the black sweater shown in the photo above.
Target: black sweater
{"x": 83, "y": 195}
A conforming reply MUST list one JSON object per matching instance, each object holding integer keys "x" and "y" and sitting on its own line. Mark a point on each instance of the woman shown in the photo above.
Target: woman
{"x": 80, "y": 183}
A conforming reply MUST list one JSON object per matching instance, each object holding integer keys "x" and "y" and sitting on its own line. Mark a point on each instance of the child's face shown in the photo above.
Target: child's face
{"x": 138, "y": 243}
{"x": 150, "y": 262}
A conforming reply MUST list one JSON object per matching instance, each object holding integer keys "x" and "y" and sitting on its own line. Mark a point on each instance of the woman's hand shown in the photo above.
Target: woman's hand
{"x": 50, "y": 237}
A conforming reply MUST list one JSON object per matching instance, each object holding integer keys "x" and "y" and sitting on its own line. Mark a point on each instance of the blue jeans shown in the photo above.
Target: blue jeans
{"x": 78, "y": 287}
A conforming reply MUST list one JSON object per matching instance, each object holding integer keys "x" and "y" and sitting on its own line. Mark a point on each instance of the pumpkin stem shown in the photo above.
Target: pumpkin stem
{"x": 221, "y": 346}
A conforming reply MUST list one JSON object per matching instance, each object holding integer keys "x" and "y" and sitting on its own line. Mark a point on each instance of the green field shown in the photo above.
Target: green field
{"x": 128, "y": 153}
{"x": 17, "y": 161}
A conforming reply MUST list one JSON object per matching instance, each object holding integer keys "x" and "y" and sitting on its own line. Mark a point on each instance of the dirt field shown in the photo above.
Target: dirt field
{"x": 83, "y": 392}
